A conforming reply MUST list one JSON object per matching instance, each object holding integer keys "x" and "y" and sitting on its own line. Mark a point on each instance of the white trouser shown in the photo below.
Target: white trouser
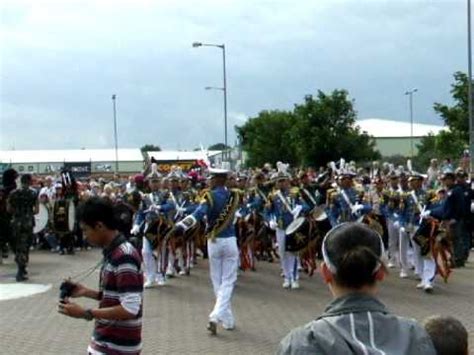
{"x": 288, "y": 261}
{"x": 417, "y": 258}
{"x": 393, "y": 228}
{"x": 223, "y": 261}
{"x": 149, "y": 261}
{"x": 404, "y": 248}
{"x": 428, "y": 271}
{"x": 425, "y": 266}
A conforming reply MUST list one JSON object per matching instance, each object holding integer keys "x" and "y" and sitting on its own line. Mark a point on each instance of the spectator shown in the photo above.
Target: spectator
{"x": 448, "y": 335}
{"x": 119, "y": 316}
{"x": 356, "y": 321}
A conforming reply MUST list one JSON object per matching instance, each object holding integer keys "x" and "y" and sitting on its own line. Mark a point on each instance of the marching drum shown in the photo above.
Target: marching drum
{"x": 297, "y": 235}
{"x": 41, "y": 219}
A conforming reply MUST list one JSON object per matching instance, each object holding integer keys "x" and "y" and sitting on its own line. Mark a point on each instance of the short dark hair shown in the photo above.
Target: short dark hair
{"x": 355, "y": 250}
{"x": 25, "y": 178}
{"x": 448, "y": 335}
{"x": 95, "y": 210}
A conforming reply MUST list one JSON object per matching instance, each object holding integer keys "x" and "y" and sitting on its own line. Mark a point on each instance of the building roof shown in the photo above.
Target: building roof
{"x": 382, "y": 128}
{"x": 72, "y": 155}
{"x": 176, "y": 155}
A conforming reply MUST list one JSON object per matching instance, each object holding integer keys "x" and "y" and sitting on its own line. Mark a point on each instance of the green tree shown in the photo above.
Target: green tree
{"x": 448, "y": 143}
{"x": 325, "y": 129}
{"x": 266, "y": 138}
{"x": 150, "y": 148}
{"x": 321, "y": 129}
{"x": 456, "y": 117}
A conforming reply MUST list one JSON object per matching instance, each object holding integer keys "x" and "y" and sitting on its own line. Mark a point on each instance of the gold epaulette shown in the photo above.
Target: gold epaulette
{"x": 206, "y": 196}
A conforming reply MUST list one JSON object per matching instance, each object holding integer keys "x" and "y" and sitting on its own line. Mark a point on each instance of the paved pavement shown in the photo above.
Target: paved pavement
{"x": 175, "y": 316}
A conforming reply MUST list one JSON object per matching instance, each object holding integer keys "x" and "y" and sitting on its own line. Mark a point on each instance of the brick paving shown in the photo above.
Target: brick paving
{"x": 175, "y": 316}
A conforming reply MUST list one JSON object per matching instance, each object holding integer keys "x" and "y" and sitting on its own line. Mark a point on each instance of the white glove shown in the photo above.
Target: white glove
{"x": 296, "y": 211}
{"x": 156, "y": 208}
{"x": 425, "y": 214}
{"x": 356, "y": 209}
{"x": 402, "y": 229}
{"x": 472, "y": 207}
{"x": 238, "y": 214}
{"x": 135, "y": 229}
{"x": 181, "y": 210}
{"x": 273, "y": 224}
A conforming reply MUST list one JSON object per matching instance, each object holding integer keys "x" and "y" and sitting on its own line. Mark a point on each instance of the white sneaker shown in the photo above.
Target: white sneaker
{"x": 161, "y": 283}
{"x": 170, "y": 273}
{"x": 182, "y": 273}
{"x": 149, "y": 284}
{"x": 295, "y": 285}
{"x": 391, "y": 265}
{"x": 286, "y": 284}
{"x": 420, "y": 285}
{"x": 428, "y": 288}
{"x": 403, "y": 274}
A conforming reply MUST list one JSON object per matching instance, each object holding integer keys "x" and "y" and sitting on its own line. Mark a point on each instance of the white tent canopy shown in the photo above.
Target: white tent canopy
{"x": 69, "y": 156}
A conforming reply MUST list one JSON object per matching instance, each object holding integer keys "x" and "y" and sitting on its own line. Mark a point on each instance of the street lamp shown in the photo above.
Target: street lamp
{"x": 410, "y": 97}
{"x": 114, "y": 98}
{"x": 224, "y": 88}
{"x": 469, "y": 82}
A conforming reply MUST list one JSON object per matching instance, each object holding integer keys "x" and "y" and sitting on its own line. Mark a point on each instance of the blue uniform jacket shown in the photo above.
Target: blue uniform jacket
{"x": 212, "y": 207}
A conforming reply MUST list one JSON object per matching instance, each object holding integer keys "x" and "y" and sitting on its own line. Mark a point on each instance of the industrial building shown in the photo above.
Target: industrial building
{"x": 394, "y": 137}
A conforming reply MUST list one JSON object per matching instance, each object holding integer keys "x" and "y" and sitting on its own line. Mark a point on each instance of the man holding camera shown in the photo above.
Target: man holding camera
{"x": 118, "y": 324}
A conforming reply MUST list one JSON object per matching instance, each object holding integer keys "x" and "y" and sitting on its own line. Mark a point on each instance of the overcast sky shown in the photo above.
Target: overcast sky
{"x": 62, "y": 60}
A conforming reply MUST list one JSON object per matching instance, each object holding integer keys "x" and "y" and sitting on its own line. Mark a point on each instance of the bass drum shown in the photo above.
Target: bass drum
{"x": 41, "y": 219}
{"x": 297, "y": 235}
{"x": 64, "y": 216}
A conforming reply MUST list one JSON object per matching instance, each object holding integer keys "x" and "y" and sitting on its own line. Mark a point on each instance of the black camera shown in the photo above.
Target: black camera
{"x": 66, "y": 289}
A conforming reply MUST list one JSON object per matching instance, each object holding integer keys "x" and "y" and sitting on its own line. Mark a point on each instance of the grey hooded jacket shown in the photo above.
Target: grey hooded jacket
{"x": 358, "y": 324}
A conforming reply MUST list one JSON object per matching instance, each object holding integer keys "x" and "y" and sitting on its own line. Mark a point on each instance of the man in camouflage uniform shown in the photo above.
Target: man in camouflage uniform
{"x": 9, "y": 184}
{"x": 23, "y": 205}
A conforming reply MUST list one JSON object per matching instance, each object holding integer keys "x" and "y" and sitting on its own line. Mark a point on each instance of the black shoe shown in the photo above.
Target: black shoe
{"x": 212, "y": 327}
{"x": 20, "y": 276}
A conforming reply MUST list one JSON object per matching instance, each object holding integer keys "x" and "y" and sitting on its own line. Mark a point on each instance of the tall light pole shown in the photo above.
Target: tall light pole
{"x": 410, "y": 99}
{"x": 469, "y": 82}
{"x": 224, "y": 88}
{"x": 114, "y": 99}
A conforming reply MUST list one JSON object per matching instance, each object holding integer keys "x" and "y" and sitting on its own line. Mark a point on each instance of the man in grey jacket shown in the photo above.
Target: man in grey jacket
{"x": 356, "y": 322}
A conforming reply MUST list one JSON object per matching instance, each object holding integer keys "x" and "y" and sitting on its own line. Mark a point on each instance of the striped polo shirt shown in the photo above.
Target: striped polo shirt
{"x": 121, "y": 283}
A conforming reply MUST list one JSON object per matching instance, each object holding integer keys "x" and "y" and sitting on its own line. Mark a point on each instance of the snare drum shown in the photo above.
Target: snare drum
{"x": 297, "y": 235}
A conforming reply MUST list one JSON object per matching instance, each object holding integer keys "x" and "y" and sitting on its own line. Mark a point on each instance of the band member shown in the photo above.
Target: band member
{"x": 282, "y": 208}
{"x": 452, "y": 213}
{"x": 9, "y": 184}
{"x": 418, "y": 203}
{"x": 60, "y": 223}
{"x": 345, "y": 202}
{"x": 392, "y": 202}
{"x": 148, "y": 213}
{"x": 219, "y": 206}
{"x": 23, "y": 205}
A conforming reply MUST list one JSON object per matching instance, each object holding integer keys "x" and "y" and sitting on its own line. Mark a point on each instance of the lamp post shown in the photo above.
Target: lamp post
{"x": 410, "y": 102}
{"x": 224, "y": 88}
{"x": 114, "y": 98}
{"x": 469, "y": 82}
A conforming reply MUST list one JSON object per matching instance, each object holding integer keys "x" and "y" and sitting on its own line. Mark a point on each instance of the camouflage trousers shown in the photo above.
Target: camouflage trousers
{"x": 5, "y": 234}
{"x": 22, "y": 234}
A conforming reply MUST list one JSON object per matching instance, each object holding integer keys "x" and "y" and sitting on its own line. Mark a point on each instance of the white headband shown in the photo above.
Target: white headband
{"x": 331, "y": 265}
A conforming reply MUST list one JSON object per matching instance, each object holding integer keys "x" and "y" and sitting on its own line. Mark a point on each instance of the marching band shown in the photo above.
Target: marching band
{"x": 274, "y": 214}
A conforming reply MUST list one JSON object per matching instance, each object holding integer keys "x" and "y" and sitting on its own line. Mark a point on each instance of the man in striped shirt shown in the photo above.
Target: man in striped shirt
{"x": 118, "y": 320}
